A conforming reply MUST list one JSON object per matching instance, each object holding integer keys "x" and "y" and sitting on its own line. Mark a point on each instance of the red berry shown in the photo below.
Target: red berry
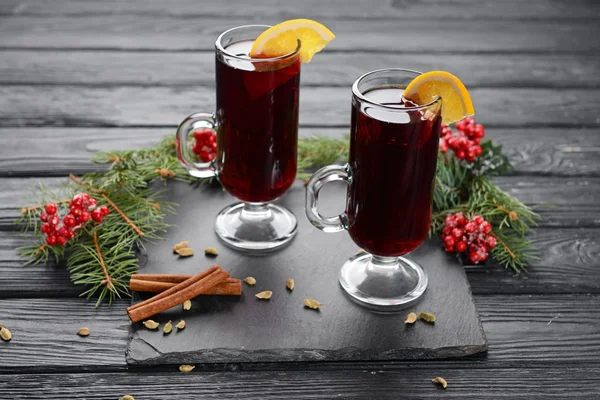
{"x": 449, "y": 249}
{"x": 61, "y": 240}
{"x": 486, "y": 227}
{"x": 447, "y": 230}
{"x": 77, "y": 201}
{"x": 478, "y": 219}
{"x": 483, "y": 256}
{"x": 461, "y": 246}
{"x": 84, "y": 217}
{"x": 47, "y": 228}
{"x": 97, "y": 215}
{"x": 53, "y": 220}
{"x": 63, "y": 232}
{"x": 490, "y": 242}
{"x": 473, "y": 248}
{"x": 51, "y": 208}
{"x": 69, "y": 220}
{"x": 460, "y": 154}
{"x": 449, "y": 240}
{"x": 93, "y": 201}
{"x": 470, "y": 227}
{"x": 202, "y": 134}
{"x": 474, "y": 257}
{"x": 104, "y": 210}
{"x": 477, "y": 150}
{"x": 44, "y": 216}
{"x": 51, "y": 240}
{"x": 461, "y": 220}
{"x": 75, "y": 211}
{"x": 457, "y": 233}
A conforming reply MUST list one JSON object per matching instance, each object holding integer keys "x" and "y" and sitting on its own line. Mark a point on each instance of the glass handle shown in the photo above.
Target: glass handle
{"x": 190, "y": 124}
{"x": 317, "y": 181}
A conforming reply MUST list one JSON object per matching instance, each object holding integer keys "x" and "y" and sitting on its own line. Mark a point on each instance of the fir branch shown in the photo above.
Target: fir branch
{"x": 319, "y": 151}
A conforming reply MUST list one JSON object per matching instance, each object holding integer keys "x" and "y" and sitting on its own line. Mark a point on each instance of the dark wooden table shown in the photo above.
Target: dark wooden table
{"x": 82, "y": 76}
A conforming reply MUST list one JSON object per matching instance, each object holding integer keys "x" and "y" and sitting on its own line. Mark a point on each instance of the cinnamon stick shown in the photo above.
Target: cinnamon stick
{"x": 231, "y": 287}
{"x": 179, "y": 293}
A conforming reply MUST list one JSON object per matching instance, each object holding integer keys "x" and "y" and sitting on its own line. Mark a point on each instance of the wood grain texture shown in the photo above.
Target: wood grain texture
{"x": 366, "y": 384}
{"x": 113, "y": 68}
{"x": 162, "y": 32}
{"x": 523, "y": 332}
{"x": 319, "y": 106}
{"x": 339, "y": 9}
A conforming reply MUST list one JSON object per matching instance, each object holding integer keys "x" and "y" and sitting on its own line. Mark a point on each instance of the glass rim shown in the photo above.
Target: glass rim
{"x": 357, "y": 93}
{"x": 219, "y": 46}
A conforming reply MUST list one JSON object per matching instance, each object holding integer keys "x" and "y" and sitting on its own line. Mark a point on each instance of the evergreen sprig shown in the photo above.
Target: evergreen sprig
{"x": 126, "y": 186}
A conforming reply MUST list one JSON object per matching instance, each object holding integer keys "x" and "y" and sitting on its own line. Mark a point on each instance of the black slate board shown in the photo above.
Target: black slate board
{"x": 228, "y": 329}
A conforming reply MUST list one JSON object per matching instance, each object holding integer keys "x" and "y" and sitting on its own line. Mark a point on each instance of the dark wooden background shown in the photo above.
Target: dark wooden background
{"x": 82, "y": 76}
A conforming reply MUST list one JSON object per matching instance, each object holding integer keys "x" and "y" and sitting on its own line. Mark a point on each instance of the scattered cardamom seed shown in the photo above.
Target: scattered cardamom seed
{"x": 427, "y": 317}
{"x": 151, "y": 324}
{"x": 411, "y": 318}
{"x": 5, "y": 334}
{"x": 180, "y": 324}
{"x": 266, "y": 295}
{"x": 290, "y": 284}
{"x": 310, "y": 303}
{"x": 181, "y": 245}
{"x": 211, "y": 252}
{"x": 187, "y": 305}
{"x": 441, "y": 381}
{"x": 168, "y": 327}
{"x": 84, "y": 332}
{"x": 186, "y": 368}
{"x": 127, "y": 397}
{"x": 250, "y": 280}
{"x": 185, "y": 252}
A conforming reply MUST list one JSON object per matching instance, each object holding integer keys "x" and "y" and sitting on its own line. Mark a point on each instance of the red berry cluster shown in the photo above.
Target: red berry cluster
{"x": 82, "y": 208}
{"x": 473, "y": 235}
{"x": 465, "y": 143}
{"x": 206, "y": 144}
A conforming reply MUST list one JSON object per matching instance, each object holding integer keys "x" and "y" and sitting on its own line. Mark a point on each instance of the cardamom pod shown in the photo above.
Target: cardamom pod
{"x": 187, "y": 305}
{"x": 427, "y": 317}
{"x": 181, "y": 245}
{"x": 151, "y": 324}
{"x": 5, "y": 334}
{"x": 250, "y": 280}
{"x": 186, "y": 368}
{"x": 310, "y": 303}
{"x": 441, "y": 381}
{"x": 211, "y": 252}
{"x": 84, "y": 332}
{"x": 185, "y": 252}
{"x": 180, "y": 324}
{"x": 290, "y": 284}
{"x": 411, "y": 318}
{"x": 266, "y": 295}
{"x": 127, "y": 397}
{"x": 168, "y": 327}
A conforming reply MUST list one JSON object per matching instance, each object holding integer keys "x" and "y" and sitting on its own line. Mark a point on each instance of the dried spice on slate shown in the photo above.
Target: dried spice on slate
{"x": 127, "y": 397}
{"x": 180, "y": 324}
{"x": 441, "y": 381}
{"x": 180, "y": 245}
{"x": 5, "y": 334}
{"x": 186, "y": 368}
{"x": 427, "y": 317}
{"x": 289, "y": 284}
{"x": 411, "y": 318}
{"x": 187, "y": 305}
{"x": 310, "y": 303}
{"x": 84, "y": 332}
{"x": 168, "y": 327}
{"x": 185, "y": 252}
{"x": 266, "y": 295}
{"x": 211, "y": 252}
{"x": 151, "y": 324}
{"x": 250, "y": 280}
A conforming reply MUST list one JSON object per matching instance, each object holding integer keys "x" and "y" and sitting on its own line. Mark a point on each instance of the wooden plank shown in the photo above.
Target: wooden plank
{"x": 319, "y": 106}
{"x": 163, "y": 32}
{"x": 368, "y": 383}
{"x": 104, "y": 68}
{"x": 535, "y": 151}
{"x": 569, "y": 264}
{"x": 523, "y": 331}
{"x": 339, "y": 9}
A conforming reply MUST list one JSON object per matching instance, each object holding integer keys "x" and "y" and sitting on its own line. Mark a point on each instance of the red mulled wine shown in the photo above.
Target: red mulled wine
{"x": 257, "y": 119}
{"x": 393, "y": 158}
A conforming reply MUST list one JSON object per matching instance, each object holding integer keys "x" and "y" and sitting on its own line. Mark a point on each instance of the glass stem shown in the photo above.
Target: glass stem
{"x": 255, "y": 211}
{"x": 383, "y": 265}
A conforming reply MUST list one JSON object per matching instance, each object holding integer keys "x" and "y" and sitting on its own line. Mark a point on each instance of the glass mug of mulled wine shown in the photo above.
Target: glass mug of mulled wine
{"x": 390, "y": 177}
{"x": 256, "y": 126}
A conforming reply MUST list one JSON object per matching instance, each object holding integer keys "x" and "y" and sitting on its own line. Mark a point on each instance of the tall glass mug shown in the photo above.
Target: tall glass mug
{"x": 256, "y": 123}
{"x": 390, "y": 175}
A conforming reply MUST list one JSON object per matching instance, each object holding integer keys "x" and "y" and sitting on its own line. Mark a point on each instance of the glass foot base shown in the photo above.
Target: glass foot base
{"x": 256, "y": 227}
{"x": 384, "y": 284}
